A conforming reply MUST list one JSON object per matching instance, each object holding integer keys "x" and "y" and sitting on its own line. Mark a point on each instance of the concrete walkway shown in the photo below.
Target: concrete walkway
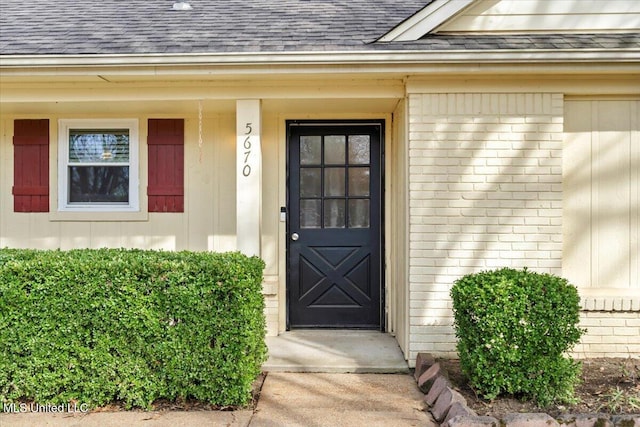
{"x": 316, "y": 400}
{"x": 287, "y": 399}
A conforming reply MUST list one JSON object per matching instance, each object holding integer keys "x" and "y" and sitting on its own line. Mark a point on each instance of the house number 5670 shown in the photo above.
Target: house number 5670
{"x": 246, "y": 169}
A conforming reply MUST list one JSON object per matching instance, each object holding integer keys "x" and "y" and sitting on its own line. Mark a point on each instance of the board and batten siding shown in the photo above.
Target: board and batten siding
{"x": 204, "y": 210}
{"x": 396, "y": 247}
{"x": 526, "y": 16}
{"x": 208, "y": 222}
{"x": 602, "y": 221}
{"x": 485, "y": 181}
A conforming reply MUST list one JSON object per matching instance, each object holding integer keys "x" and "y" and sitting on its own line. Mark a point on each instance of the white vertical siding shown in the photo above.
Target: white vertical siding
{"x": 601, "y": 184}
{"x": 208, "y": 222}
{"x": 547, "y": 16}
{"x": 397, "y": 235}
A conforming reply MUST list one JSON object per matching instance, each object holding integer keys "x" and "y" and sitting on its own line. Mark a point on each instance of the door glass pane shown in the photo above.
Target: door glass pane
{"x": 334, "y": 213}
{"x": 359, "y": 181}
{"x": 359, "y": 213}
{"x": 334, "y": 149}
{"x": 334, "y": 182}
{"x": 310, "y": 213}
{"x": 310, "y": 182}
{"x": 359, "y": 149}
{"x": 310, "y": 150}
{"x": 99, "y": 146}
{"x": 98, "y": 184}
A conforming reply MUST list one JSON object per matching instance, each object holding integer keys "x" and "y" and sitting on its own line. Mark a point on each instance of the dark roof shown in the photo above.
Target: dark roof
{"x": 151, "y": 26}
{"x": 70, "y": 27}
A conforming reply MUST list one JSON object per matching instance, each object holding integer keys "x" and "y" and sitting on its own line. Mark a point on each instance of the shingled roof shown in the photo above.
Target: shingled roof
{"x": 133, "y": 27}
{"x": 211, "y": 26}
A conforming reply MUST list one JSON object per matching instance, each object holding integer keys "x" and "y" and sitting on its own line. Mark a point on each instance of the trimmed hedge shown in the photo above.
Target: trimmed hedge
{"x": 129, "y": 326}
{"x": 514, "y": 328}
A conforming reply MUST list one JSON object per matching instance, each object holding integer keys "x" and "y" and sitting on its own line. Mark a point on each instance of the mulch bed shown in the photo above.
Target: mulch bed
{"x": 608, "y": 386}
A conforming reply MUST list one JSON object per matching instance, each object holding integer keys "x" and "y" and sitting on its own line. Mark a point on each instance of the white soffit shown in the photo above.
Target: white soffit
{"x": 427, "y": 19}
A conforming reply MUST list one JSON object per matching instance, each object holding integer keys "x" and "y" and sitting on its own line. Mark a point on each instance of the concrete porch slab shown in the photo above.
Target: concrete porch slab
{"x": 334, "y": 351}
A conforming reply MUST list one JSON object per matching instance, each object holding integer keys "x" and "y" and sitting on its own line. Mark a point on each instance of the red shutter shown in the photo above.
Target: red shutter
{"x": 31, "y": 165}
{"x": 166, "y": 165}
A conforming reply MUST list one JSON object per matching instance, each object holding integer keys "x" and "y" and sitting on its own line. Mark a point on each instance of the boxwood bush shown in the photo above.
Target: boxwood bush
{"x": 514, "y": 328}
{"x": 129, "y": 326}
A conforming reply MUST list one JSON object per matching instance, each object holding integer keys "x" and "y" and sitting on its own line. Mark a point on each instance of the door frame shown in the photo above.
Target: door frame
{"x": 383, "y": 136}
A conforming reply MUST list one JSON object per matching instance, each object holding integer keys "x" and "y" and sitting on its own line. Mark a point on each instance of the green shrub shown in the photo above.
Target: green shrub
{"x": 130, "y": 326}
{"x": 514, "y": 328}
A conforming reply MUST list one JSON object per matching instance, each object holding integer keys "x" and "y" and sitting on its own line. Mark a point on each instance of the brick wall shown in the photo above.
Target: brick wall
{"x": 485, "y": 189}
{"x": 270, "y": 293}
{"x": 609, "y": 334}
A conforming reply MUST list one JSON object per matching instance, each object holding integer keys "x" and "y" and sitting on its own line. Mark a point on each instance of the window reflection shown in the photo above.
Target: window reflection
{"x": 310, "y": 182}
{"x": 335, "y": 192}
{"x": 359, "y": 181}
{"x": 310, "y": 150}
{"x": 310, "y": 213}
{"x": 334, "y": 213}
{"x": 359, "y": 149}
{"x": 334, "y": 149}
{"x": 334, "y": 183}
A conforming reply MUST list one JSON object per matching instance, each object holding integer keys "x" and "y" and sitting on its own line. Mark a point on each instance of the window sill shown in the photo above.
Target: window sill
{"x": 101, "y": 216}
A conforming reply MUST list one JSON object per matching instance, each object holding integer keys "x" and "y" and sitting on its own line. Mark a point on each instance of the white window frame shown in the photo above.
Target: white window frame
{"x": 64, "y": 126}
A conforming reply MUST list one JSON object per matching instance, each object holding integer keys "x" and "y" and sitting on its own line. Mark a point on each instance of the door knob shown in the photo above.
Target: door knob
{"x": 295, "y": 236}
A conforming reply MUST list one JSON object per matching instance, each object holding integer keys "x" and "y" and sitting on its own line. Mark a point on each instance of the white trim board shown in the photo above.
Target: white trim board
{"x": 426, "y": 20}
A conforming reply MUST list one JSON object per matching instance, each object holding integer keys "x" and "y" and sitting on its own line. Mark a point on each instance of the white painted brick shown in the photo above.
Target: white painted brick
{"x": 628, "y": 350}
{"x": 618, "y": 339}
{"x": 269, "y": 288}
{"x": 630, "y": 333}
{"x": 633, "y": 322}
{"x": 551, "y": 266}
{"x": 437, "y": 326}
{"x": 500, "y": 156}
{"x": 601, "y": 330}
{"x": 611, "y": 321}
{"x": 591, "y": 339}
{"x": 524, "y": 246}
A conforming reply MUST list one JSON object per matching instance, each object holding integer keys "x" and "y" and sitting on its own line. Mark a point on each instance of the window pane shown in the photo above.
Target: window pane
{"x": 334, "y": 149}
{"x": 98, "y": 145}
{"x": 334, "y": 213}
{"x": 310, "y": 213}
{"x": 98, "y": 184}
{"x": 310, "y": 150}
{"x": 310, "y": 182}
{"x": 359, "y": 181}
{"x": 359, "y": 213}
{"x": 334, "y": 182}
{"x": 359, "y": 150}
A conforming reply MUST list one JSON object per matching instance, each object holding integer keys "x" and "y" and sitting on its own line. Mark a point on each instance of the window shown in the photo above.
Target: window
{"x": 98, "y": 165}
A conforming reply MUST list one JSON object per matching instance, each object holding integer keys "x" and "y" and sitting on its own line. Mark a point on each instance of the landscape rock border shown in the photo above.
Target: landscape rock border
{"x": 449, "y": 408}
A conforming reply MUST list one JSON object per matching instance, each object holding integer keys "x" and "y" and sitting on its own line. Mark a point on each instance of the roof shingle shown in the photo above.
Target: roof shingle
{"x": 81, "y": 27}
{"x": 151, "y": 26}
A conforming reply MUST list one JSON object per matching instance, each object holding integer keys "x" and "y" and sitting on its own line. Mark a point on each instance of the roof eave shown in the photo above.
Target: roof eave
{"x": 378, "y": 57}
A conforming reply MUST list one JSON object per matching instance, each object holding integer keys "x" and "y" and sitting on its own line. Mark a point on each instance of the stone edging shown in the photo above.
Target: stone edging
{"x": 449, "y": 408}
